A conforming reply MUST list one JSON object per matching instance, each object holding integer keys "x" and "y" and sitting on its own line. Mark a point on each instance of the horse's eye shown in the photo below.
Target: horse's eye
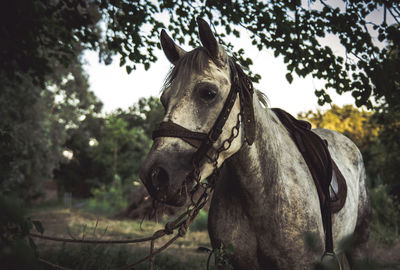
{"x": 207, "y": 94}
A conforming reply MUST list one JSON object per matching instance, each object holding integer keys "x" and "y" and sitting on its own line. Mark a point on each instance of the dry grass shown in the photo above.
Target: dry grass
{"x": 78, "y": 224}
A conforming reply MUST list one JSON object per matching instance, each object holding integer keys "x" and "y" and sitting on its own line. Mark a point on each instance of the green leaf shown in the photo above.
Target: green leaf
{"x": 128, "y": 69}
{"x": 289, "y": 77}
{"x": 229, "y": 249}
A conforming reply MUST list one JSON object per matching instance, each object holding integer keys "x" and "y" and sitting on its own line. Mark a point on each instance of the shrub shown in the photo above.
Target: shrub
{"x": 385, "y": 215}
{"x": 17, "y": 249}
{"x": 200, "y": 223}
{"x": 108, "y": 199}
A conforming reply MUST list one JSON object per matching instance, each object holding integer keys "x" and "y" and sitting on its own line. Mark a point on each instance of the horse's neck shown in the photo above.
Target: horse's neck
{"x": 262, "y": 158}
{"x": 259, "y": 169}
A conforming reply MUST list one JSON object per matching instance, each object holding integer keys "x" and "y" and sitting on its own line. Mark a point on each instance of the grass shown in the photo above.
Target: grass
{"x": 184, "y": 254}
{"x": 79, "y": 223}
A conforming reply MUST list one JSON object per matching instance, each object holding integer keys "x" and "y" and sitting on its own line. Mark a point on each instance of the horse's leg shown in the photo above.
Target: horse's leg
{"x": 229, "y": 227}
{"x": 234, "y": 244}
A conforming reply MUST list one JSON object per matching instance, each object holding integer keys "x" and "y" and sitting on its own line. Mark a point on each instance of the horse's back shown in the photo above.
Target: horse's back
{"x": 354, "y": 216}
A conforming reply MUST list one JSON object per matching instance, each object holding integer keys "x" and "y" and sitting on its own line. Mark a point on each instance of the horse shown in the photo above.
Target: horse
{"x": 265, "y": 199}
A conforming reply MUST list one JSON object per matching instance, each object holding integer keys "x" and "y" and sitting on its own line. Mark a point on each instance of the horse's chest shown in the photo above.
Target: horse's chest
{"x": 268, "y": 233}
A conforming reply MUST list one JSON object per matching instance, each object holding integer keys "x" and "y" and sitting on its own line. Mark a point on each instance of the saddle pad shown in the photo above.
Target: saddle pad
{"x": 322, "y": 167}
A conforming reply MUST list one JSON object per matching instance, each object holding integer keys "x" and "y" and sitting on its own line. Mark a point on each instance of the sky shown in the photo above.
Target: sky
{"x": 116, "y": 89}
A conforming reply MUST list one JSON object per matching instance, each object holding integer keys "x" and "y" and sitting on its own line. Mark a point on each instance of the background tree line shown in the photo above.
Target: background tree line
{"x": 44, "y": 90}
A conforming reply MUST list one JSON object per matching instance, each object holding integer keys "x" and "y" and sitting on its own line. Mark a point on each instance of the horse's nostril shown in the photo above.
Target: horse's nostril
{"x": 159, "y": 176}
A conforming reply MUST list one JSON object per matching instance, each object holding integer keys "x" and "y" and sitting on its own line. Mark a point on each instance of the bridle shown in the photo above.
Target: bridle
{"x": 240, "y": 85}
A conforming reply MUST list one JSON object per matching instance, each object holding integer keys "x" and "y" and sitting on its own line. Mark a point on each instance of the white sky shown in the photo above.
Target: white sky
{"x": 116, "y": 89}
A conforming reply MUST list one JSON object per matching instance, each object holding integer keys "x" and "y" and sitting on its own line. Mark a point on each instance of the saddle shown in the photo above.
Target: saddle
{"x": 329, "y": 181}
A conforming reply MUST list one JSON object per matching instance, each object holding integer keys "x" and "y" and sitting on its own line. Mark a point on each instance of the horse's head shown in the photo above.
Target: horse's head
{"x": 202, "y": 99}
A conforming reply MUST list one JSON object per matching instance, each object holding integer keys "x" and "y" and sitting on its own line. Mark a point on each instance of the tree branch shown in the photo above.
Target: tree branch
{"x": 394, "y": 17}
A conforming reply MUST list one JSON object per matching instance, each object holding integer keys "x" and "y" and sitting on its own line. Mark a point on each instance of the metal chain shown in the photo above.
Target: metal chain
{"x": 226, "y": 144}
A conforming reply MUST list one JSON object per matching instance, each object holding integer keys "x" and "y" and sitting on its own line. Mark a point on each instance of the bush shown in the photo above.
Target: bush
{"x": 17, "y": 249}
{"x": 200, "y": 223}
{"x": 108, "y": 199}
{"x": 385, "y": 215}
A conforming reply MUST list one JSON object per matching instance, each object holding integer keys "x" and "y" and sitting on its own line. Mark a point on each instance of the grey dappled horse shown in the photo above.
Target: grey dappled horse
{"x": 265, "y": 199}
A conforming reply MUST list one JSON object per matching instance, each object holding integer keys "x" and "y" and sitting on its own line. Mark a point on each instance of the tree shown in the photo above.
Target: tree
{"x": 109, "y": 148}
{"x": 38, "y": 35}
{"x": 386, "y": 150}
{"x": 43, "y": 30}
{"x": 146, "y": 113}
{"x": 36, "y": 121}
{"x": 375, "y": 133}
{"x": 29, "y": 139}
{"x": 121, "y": 149}
{"x": 348, "y": 120}
{"x": 81, "y": 172}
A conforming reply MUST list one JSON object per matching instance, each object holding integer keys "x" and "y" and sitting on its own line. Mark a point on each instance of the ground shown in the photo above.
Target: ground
{"x": 184, "y": 254}
{"x": 77, "y": 223}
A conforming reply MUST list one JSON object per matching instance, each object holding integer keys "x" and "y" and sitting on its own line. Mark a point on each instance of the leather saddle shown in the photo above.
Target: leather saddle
{"x": 327, "y": 177}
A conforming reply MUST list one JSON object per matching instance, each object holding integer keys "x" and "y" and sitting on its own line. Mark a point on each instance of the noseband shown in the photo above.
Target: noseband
{"x": 241, "y": 85}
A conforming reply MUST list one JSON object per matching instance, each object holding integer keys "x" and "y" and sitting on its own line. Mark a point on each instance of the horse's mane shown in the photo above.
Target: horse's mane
{"x": 262, "y": 98}
{"x": 196, "y": 61}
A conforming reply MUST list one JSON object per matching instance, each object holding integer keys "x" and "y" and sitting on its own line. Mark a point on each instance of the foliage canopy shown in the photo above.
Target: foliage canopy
{"x": 43, "y": 31}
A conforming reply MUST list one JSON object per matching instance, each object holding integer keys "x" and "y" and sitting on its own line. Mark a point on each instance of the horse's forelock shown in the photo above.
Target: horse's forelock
{"x": 194, "y": 61}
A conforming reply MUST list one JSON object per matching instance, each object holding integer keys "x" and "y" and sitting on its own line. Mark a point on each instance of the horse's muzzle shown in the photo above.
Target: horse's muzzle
{"x": 165, "y": 178}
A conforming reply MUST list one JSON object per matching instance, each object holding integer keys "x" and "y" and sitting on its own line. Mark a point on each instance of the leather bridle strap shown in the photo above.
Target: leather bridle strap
{"x": 216, "y": 130}
{"x": 202, "y": 141}
{"x": 170, "y": 129}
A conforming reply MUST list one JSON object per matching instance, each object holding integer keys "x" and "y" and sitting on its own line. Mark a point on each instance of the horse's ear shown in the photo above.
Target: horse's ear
{"x": 172, "y": 51}
{"x": 209, "y": 41}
